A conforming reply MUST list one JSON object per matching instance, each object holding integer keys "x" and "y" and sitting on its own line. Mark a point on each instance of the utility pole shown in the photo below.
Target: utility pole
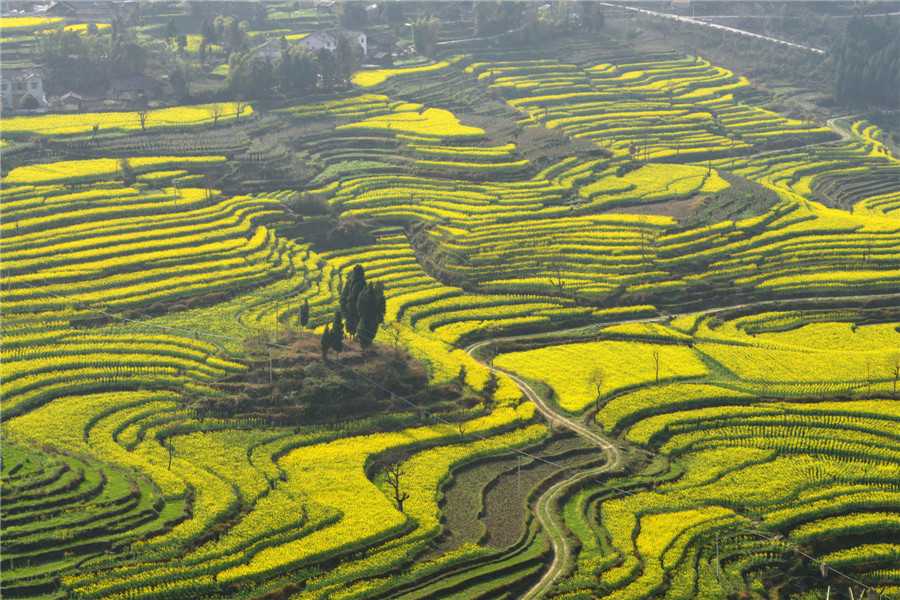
{"x": 270, "y": 365}
{"x": 519, "y": 474}
{"x": 276, "y": 321}
{"x": 717, "y": 556}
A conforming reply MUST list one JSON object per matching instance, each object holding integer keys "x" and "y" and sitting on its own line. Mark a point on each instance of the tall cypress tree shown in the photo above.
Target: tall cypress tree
{"x": 304, "y": 313}
{"x": 371, "y": 307}
{"x": 354, "y": 285}
{"x": 325, "y": 343}
{"x": 337, "y": 333}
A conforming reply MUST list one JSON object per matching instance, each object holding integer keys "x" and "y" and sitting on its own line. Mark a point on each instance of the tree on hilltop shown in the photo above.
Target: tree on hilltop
{"x": 363, "y": 306}
{"x": 349, "y": 298}
{"x": 371, "y": 308}
{"x": 333, "y": 336}
{"x": 337, "y": 333}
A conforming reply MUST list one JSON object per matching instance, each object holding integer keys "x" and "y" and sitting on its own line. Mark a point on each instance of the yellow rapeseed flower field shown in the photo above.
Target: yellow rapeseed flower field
{"x": 163, "y": 118}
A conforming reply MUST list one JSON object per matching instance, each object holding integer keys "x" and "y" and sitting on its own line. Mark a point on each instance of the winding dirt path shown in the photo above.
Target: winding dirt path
{"x": 548, "y": 515}
{"x": 545, "y": 506}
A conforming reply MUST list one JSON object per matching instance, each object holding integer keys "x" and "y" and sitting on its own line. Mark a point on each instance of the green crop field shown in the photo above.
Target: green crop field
{"x": 639, "y": 338}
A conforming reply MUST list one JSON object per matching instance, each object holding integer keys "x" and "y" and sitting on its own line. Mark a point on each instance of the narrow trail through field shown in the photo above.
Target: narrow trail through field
{"x": 843, "y": 133}
{"x": 544, "y": 507}
{"x": 548, "y": 515}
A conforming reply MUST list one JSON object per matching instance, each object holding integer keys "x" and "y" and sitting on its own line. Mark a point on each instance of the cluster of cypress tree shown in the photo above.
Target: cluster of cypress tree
{"x": 362, "y": 311}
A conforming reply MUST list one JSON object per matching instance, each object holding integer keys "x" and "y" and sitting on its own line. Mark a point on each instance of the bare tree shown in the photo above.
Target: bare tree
{"x": 644, "y": 220}
{"x": 142, "y": 115}
{"x": 215, "y": 111}
{"x": 239, "y": 107}
{"x": 656, "y": 360}
{"x": 869, "y": 376}
{"x": 556, "y": 278}
{"x": 596, "y": 379}
{"x": 141, "y": 107}
{"x": 393, "y": 472}
{"x": 462, "y": 430}
{"x": 395, "y": 332}
{"x": 894, "y": 369}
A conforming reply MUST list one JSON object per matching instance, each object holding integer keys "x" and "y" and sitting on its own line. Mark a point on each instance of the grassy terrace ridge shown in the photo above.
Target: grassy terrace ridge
{"x": 628, "y": 329}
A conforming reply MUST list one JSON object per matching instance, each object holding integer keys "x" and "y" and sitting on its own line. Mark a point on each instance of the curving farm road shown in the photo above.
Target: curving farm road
{"x": 544, "y": 507}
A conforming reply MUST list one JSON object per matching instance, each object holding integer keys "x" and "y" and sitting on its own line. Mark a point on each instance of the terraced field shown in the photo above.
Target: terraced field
{"x": 701, "y": 407}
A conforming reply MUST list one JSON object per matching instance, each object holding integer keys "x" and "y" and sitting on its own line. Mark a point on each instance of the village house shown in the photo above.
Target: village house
{"x": 20, "y": 6}
{"x": 22, "y": 90}
{"x": 380, "y": 48}
{"x": 381, "y": 41}
{"x": 271, "y": 48}
{"x": 89, "y": 12}
{"x": 357, "y": 39}
{"x": 319, "y": 39}
{"x": 71, "y": 102}
{"x": 326, "y": 7}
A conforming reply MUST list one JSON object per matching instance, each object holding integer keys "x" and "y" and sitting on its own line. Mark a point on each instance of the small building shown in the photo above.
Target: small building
{"x": 318, "y": 40}
{"x": 61, "y": 9}
{"x": 381, "y": 42}
{"x": 382, "y": 59}
{"x": 356, "y": 38}
{"x": 71, "y": 102}
{"x": 23, "y": 90}
{"x": 326, "y": 7}
{"x": 271, "y": 48}
{"x": 129, "y": 87}
{"x": 86, "y": 11}
{"x": 22, "y": 6}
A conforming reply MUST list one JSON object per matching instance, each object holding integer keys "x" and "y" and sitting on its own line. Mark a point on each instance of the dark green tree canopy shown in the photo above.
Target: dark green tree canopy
{"x": 337, "y": 333}
{"x": 353, "y": 287}
{"x": 371, "y": 307}
{"x": 304, "y": 313}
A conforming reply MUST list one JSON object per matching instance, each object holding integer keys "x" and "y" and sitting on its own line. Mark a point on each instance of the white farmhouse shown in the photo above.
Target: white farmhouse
{"x": 318, "y": 40}
{"x": 356, "y": 38}
{"x": 23, "y": 89}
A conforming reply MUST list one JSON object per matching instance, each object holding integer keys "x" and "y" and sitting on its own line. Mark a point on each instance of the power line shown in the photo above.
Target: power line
{"x": 812, "y": 558}
{"x": 436, "y": 416}
{"x": 196, "y": 333}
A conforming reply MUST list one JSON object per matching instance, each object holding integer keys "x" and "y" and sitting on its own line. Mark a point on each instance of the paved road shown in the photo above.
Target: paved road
{"x": 874, "y": 15}
{"x": 693, "y": 21}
